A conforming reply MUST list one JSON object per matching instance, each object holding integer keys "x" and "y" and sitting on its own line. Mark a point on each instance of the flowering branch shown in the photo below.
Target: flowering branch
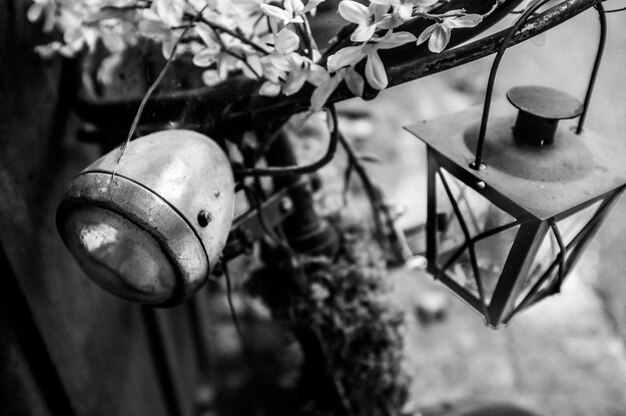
{"x": 282, "y": 51}
{"x": 236, "y": 35}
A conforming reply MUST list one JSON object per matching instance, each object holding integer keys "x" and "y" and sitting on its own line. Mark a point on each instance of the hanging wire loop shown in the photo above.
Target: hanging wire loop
{"x": 596, "y": 66}
{"x": 478, "y": 164}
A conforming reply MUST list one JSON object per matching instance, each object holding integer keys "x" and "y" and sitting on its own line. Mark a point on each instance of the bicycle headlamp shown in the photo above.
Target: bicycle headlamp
{"x": 151, "y": 227}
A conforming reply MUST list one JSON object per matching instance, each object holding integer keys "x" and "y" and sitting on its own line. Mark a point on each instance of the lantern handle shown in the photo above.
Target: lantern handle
{"x": 478, "y": 164}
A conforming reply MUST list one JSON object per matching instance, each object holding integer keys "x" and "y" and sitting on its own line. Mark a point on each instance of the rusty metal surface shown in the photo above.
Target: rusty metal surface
{"x": 545, "y": 102}
{"x": 144, "y": 211}
{"x": 526, "y": 180}
{"x": 178, "y": 187}
{"x": 255, "y": 223}
{"x": 188, "y": 170}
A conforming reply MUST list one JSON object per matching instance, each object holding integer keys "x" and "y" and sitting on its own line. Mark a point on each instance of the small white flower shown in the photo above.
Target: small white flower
{"x": 366, "y": 18}
{"x": 169, "y": 11}
{"x": 438, "y": 34}
{"x": 404, "y": 8}
{"x": 302, "y": 70}
{"x": 286, "y": 42}
{"x": 291, "y": 12}
{"x": 274, "y": 67}
{"x": 375, "y": 72}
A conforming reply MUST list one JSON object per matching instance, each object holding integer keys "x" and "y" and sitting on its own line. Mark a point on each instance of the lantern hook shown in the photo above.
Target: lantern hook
{"x": 478, "y": 164}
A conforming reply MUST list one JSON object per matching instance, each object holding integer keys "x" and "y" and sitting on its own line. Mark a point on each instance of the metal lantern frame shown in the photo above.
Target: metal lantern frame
{"x": 534, "y": 218}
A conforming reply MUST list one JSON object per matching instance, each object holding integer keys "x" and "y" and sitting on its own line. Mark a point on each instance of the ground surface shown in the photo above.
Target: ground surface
{"x": 566, "y": 356}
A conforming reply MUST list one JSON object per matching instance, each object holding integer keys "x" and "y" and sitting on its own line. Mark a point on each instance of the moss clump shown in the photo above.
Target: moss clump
{"x": 349, "y": 331}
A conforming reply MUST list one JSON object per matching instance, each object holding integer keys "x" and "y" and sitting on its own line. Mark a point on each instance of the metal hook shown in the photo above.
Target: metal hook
{"x": 478, "y": 163}
{"x": 596, "y": 65}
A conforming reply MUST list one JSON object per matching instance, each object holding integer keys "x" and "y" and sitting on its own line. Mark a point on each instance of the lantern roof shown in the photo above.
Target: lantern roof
{"x": 521, "y": 178}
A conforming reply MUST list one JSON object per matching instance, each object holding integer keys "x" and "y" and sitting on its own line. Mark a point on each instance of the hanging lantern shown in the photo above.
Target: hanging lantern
{"x": 150, "y": 226}
{"x": 504, "y": 230}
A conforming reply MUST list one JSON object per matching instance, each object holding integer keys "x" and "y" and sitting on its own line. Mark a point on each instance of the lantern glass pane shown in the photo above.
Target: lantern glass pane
{"x": 572, "y": 225}
{"x": 462, "y": 273}
{"x": 491, "y": 233}
{"x": 479, "y": 214}
{"x": 492, "y": 253}
{"x": 545, "y": 267}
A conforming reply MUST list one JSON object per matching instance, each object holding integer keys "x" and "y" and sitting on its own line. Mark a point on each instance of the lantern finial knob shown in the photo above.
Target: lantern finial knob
{"x": 541, "y": 108}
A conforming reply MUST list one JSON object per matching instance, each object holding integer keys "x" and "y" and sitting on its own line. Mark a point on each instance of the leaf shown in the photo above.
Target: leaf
{"x": 375, "y": 72}
{"x": 317, "y": 75}
{"x": 363, "y": 33}
{"x": 424, "y": 3}
{"x": 169, "y": 11}
{"x": 275, "y": 12}
{"x": 348, "y": 56}
{"x": 439, "y": 39}
{"x": 353, "y": 12}
{"x": 469, "y": 20}
{"x": 396, "y": 39}
{"x": 323, "y": 92}
{"x": 293, "y": 7}
{"x": 295, "y": 81}
{"x": 286, "y": 42}
{"x": 355, "y": 82}
{"x": 269, "y": 89}
{"x": 153, "y": 29}
{"x": 205, "y": 57}
{"x": 206, "y": 34}
{"x": 312, "y": 4}
{"x": 426, "y": 33}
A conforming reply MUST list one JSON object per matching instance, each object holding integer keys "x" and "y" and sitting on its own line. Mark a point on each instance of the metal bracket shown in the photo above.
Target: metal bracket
{"x": 254, "y": 223}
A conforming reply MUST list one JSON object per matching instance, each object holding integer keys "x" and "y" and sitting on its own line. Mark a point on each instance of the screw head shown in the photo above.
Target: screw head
{"x": 481, "y": 166}
{"x": 481, "y": 184}
{"x": 204, "y": 218}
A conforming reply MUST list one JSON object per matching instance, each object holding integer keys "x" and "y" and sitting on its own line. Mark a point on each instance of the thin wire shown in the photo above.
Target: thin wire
{"x": 477, "y": 164}
{"x": 261, "y": 216}
{"x": 300, "y": 169}
{"x": 596, "y": 66}
{"x": 372, "y": 191}
{"x": 621, "y": 9}
{"x": 247, "y": 352}
{"x": 153, "y": 87}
